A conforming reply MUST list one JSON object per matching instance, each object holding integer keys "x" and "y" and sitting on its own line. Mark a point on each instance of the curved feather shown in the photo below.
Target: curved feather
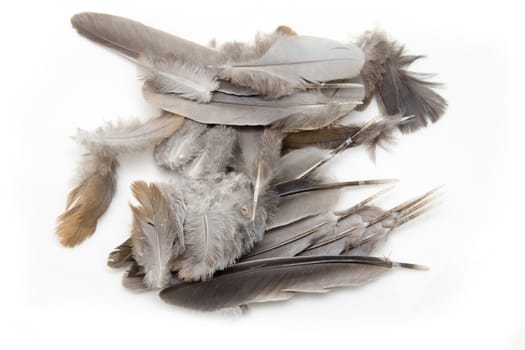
{"x": 88, "y": 200}
{"x": 130, "y": 135}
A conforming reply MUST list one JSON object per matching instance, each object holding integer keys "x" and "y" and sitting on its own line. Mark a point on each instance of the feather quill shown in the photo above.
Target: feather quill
{"x": 265, "y": 171}
{"x": 378, "y": 133}
{"x": 289, "y": 240}
{"x": 277, "y": 279}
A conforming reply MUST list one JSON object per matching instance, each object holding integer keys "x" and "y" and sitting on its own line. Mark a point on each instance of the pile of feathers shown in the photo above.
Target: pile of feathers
{"x": 245, "y": 130}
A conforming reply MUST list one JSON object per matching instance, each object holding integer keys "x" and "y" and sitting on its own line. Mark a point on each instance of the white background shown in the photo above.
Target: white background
{"x": 54, "y": 81}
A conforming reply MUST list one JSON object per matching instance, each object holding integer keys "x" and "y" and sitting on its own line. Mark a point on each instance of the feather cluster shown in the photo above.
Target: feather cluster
{"x": 248, "y": 214}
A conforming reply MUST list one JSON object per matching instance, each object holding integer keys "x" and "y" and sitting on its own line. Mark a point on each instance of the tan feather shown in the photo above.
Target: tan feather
{"x": 285, "y": 30}
{"x": 88, "y": 201}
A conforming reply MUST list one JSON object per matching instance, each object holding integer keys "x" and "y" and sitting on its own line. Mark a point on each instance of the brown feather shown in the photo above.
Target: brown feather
{"x": 88, "y": 201}
{"x": 285, "y": 30}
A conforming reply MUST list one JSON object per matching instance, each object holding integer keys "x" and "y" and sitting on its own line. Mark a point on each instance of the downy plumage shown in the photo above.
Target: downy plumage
{"x": 248, "y": 215}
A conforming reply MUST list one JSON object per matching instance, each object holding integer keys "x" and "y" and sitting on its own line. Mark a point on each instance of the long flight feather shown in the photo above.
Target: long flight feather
{"x": 278, "y": 279}
{"x": 134, "y": 39}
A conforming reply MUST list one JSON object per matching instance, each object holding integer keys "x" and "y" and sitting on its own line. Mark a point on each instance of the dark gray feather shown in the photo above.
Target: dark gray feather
{"x": 399, "y": 91}
{"x": 277, "y": 279}
{"x": 122, "y": 255}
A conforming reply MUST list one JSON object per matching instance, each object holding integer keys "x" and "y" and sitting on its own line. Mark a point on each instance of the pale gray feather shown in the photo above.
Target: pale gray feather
{"x": 219, "y": 144}
{"x": 127, "y": 136}
{"x": 296, "y": 207}
{"x": 289, "y": 240}
{"x": 182, "y": 148}
{"x": 236, "y": 51}
{"x": 217, "y": 227}
{"x": 167, "y": 75}
{"x": 295, "y": 163}
{"x": 248, "y": 110}
{"x": 295, "y": 62}
{"x": 157, "y": 233}
{"x": 262, "y": 174}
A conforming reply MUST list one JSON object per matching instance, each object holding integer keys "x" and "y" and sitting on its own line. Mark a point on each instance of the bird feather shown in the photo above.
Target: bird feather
{"x": 168, "y": 75}
{"x": 122, "y": 255}
{"x": 133, "y": 39}
{"x": 130, "y": 135}
{"x": 399, "y": 91}
{"x": 248, "y": 110}
{"x": 277, "y": 279}
{"x": 295, "y": 62}
{"x": 157, "y": 231}
{"x": 88, "y": 200}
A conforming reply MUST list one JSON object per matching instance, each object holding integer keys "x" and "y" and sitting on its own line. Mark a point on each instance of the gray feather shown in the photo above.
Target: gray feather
{"x": 248, "y": 110}
{"x": 295, "y": 163}
{"x": 277, "y": 279}
{"x": 219, "y": 144}
{"x": 245, "y": 51}
{"x": 182, "y": 148}
{"x": 157, "y": 233}
{"x": 262, "y": 174}
{"x": 134, "y": 39}
{"x": 291, "y": 239}
{"x": 167, "y": 75}
{"x": 338, "y": 104}
{"x": 295, "y": 62}
{"x": 399, "y": 91}
{"x": 129, "y": 136}
{"x": 217, "y": 228}
{"x": 296, "y": 207}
